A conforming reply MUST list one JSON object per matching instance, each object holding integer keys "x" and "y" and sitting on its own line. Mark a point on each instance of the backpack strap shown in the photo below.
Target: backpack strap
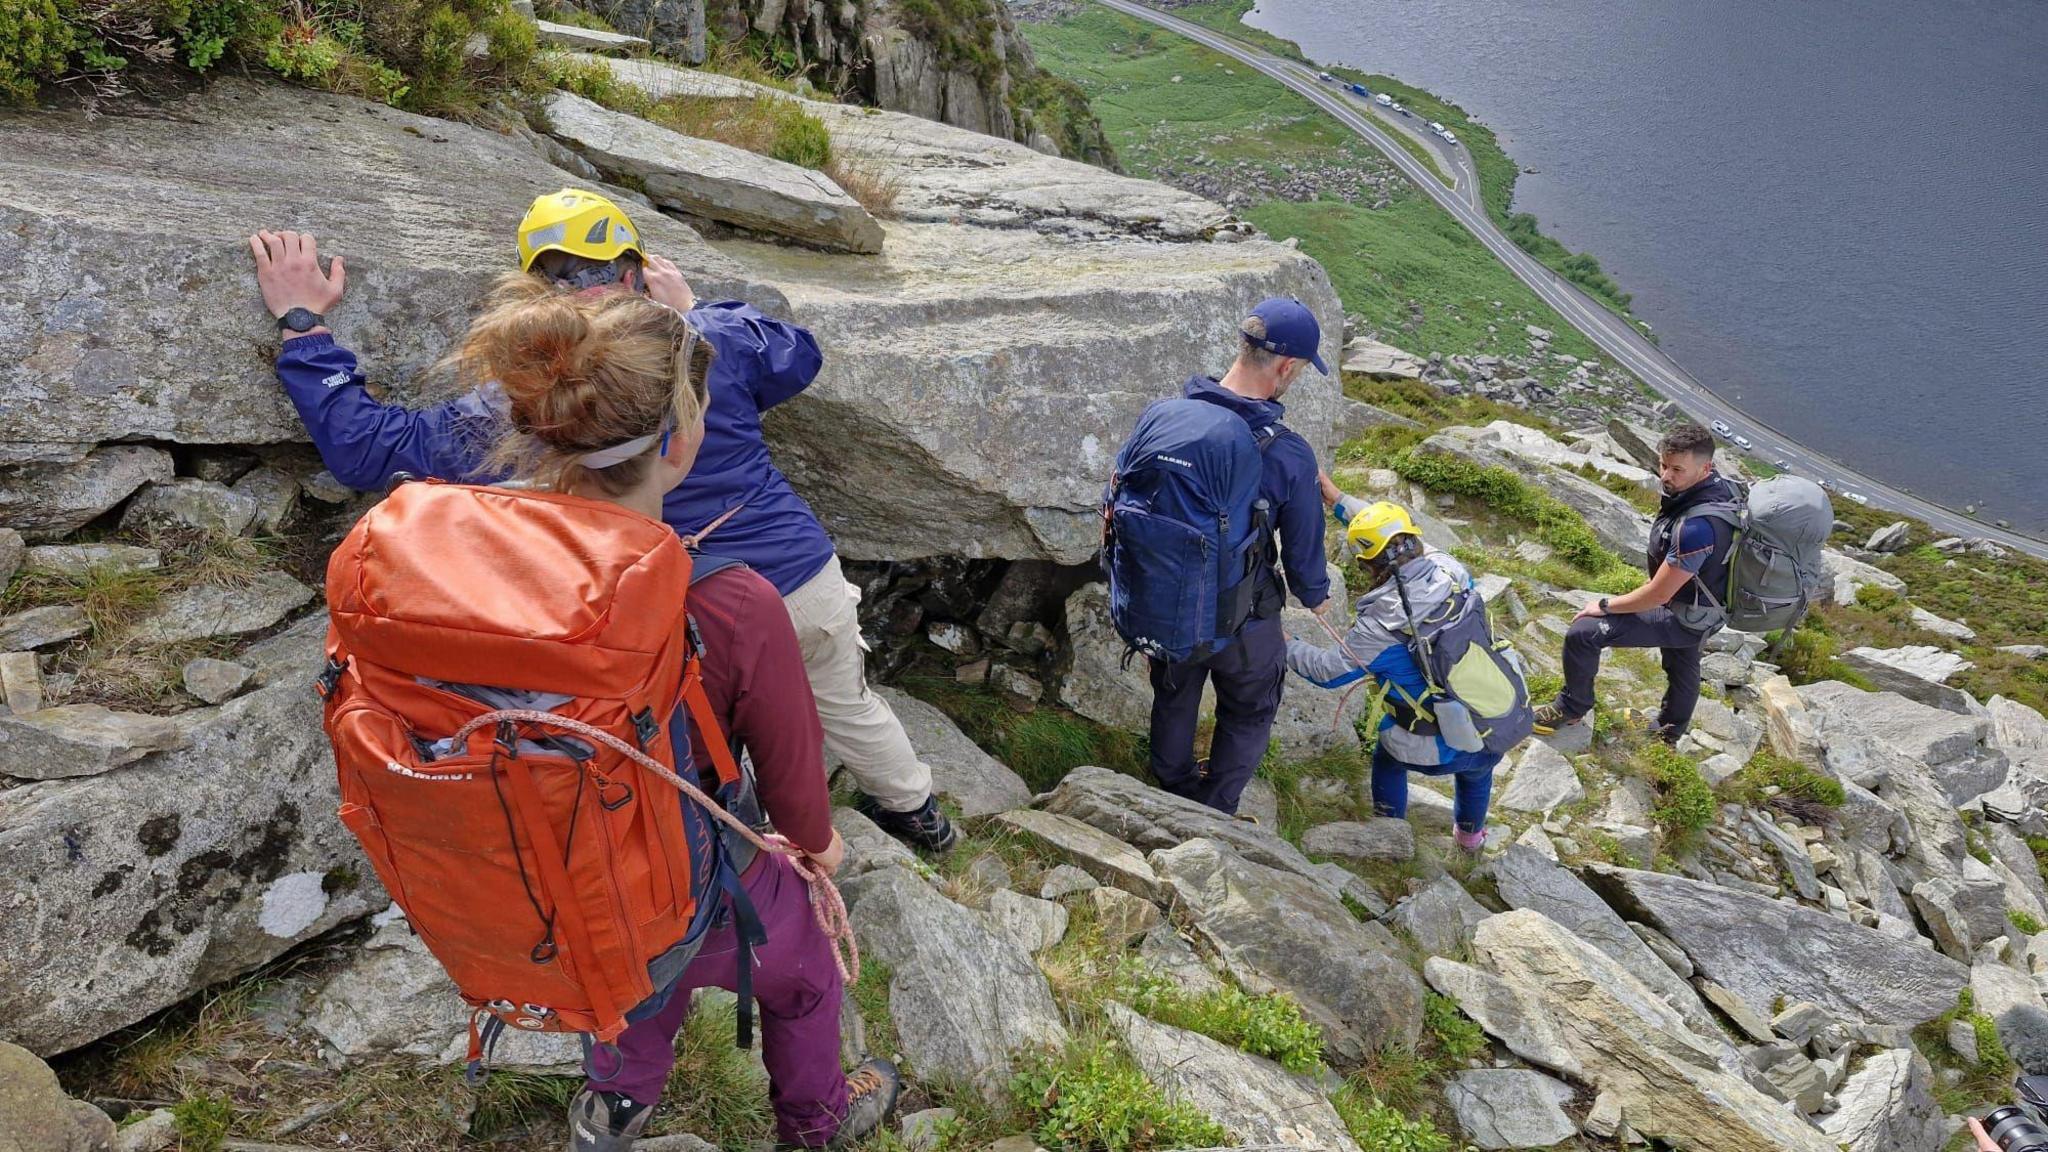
{"x": 1266, "y": 436}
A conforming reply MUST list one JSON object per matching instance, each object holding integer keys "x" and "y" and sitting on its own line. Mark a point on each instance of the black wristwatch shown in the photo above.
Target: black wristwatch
{"x": 300, "y": 320}
{"x": 1603, "y": 605}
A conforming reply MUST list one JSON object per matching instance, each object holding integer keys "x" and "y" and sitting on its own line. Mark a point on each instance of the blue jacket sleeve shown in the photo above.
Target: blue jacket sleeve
{"x": 364, "y": 441}
{"x": 772, "y": 358}
{"x": 1301, "y": 529}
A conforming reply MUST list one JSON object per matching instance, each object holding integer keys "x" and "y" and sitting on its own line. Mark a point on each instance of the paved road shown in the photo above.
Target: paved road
{"x": 1615, "y": 336}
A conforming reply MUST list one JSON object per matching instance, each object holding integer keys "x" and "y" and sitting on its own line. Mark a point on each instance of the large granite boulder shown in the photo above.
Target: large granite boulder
{"x": 1666, "y": 1079}
{"x": 963, "y": 999}
{"x": 1952, "y": 746}
{"x": 130, "y": 890}
{"x": 1763, "y": 950}
{"x": 1279, "y": 932}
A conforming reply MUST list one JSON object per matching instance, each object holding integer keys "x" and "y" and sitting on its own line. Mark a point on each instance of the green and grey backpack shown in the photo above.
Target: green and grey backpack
{"x": 1478, "y": 698}
{"x": 1774, "y": 561}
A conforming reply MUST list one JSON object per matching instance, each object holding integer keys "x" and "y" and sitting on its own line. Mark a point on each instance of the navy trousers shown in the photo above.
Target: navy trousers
{"x": 1653, "y": 628}
{"x": 1248, "y": 676}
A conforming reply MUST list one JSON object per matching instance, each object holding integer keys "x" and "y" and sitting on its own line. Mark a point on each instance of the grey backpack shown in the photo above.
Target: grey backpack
{"x": 1774, "y": 557}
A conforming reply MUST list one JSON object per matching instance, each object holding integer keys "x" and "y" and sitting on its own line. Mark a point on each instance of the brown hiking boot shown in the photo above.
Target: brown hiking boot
{"x": 1551, "y": 717}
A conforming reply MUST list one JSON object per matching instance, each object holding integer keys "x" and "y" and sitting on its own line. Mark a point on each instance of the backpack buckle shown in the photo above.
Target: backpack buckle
{"x": 623, "y": 796}
{"x": 330, "y": 677}
{"x": 645, "y": 727}
{"x": 508, "y": 739}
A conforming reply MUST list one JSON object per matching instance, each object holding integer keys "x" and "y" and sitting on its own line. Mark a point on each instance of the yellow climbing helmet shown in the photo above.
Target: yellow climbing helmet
{"x": 579, "y": 223}
{"x": 1375, "y": 528}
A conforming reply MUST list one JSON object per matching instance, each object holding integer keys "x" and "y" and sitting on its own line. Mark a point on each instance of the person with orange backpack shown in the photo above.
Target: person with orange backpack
{"x": 737, "y": 499}
{"x": 529, "y": 692}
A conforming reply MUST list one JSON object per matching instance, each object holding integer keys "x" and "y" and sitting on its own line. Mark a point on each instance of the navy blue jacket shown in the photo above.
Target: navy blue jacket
{"x": 760, "y": 362}
{"x": 1288, "y": 485}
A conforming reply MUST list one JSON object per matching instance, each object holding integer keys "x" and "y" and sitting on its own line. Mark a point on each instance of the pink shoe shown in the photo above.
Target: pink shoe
{"x": 1473, "y": 842}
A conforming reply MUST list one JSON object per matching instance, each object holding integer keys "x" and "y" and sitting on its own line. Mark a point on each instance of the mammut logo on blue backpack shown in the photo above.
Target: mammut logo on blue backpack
{"x": 1181, "y": 544}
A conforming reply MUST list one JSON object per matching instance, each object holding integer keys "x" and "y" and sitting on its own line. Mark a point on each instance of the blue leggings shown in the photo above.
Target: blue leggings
{"x": 1473, "y": 786}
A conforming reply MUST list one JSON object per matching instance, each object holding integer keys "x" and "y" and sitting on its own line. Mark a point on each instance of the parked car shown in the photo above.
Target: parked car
{"x": 1436, "y": 127}
{"x": 1742, "y": 442}
{"x": 1858, "y": 497}
{"x": 1781, "y": 464}
{"x": 1383, "y": 100}
{"x": 1325, "y": 77}
{"x": 1721, "y": 428}
{"x": 1361, "y": 91}
{"x": 1450, "y": 137}
{"x": 1827, "y": 484}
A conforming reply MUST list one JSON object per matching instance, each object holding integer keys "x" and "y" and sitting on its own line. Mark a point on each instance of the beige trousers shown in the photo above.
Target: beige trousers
{"x": 860, "y": 730}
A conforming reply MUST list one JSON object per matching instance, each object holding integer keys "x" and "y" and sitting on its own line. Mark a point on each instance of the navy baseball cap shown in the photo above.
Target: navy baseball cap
{"x": 1291, "y": 330}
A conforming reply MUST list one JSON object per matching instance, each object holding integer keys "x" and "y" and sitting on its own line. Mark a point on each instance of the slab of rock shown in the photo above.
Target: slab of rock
{"x": 1063, "y": 880}
{"x": 202, "y": 505}
{"x": 1930, "y": 736}
{"x": 586, "y": 39}
{"x": 1964, "y": 912}
{"x": 276, "y": 493}
{"x": 1107, "y": 859}
{"x": 2016, "y": 727}
{"x": 36, "y": 1115}
{"x": 1888, "y": 1106}
{"x": 1258, "y": 1102}
{"x": 1027, "y": 921}
{"x": 1917, "y": 671}
{"x": 1120, "y": 917}
{"x": 80, "y": 559}
{"x": 1666, "y": 1079}
{"x": 49, "y": 500}
{"x": 21, "y": 684}
{"x": 1279, "y": 932}
{"x": 1753, "y": 1026}
{"x": 1889, "y": 538}
{"x": 1092, "y": 678}
{"x": 979, "y": 783}
{"x": 41, "y": 627}
{"x": 81, "y": 740}
{"x": 11, "y": 550}
{"x": 963, "y": 999}
{"x": 1355, "y": 417}
{"x": 1611, "y": 517}
{"x": 1511, "y": 1108}
{"x": 1527, "y": 879}
{"x": 1379, "y": 839}
{"x": 1761, "y": 949}
{"x": 1311, "y": 721}
{"x": 1504, "y": 1013}
{"x": 1543, "y": 779}
{"x": 1381, "y": 361}
{"x": 209, "y": 610}
{"x": 1441, "y": 916}
{"x": 394, "y": 997}
{"x": 1941, "y": 626}
{"x": 1850, "y": 574}
{"x": 1789, "y": 1075}
{"x": 1147, "y": 818}
{"x": 136, "y": 888}
{"x": 713, "y": 180}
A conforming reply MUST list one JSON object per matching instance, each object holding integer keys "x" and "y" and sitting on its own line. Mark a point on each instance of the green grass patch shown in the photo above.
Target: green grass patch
{"x": 714, "y": 1092}
{"x": 1771, "y": 780}
{"x": 1093, "y": 1098}
{"x": 1684, "y": 802}
{"x": 203, "y": 1122}
{"x": 1988, "y": 1079}
{"x": 1507, "y": 494}
{"x": 1302, "y": 806}
{"x": 1269, "y": 1026}
{"x": 2025, "y": 921}
{"x": 1380, "y": 1127}
{"x": 1457, "y": 1035}
{"x": 1041, "y": 746}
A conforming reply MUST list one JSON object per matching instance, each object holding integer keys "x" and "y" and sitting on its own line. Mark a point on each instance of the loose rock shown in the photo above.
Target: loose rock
{"x": 1257, "y": 1101}
{"x": 1511, "y": 1108}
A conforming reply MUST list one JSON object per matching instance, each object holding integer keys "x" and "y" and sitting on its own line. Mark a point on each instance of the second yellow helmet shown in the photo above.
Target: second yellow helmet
{"x": 579, "y": 223}
{"x": 1373, "y": 529}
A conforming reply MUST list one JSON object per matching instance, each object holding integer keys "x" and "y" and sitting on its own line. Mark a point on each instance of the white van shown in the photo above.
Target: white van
{"x": 1383, "y": 100}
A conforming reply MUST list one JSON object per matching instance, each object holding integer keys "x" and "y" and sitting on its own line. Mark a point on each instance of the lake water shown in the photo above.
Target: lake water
{"x": 1832, "y": 213}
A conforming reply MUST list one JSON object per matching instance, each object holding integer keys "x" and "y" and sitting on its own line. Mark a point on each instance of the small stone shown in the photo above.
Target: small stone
{"x": 188, "y": 503}
{"x": 42, "y": 627}
{"x": 1033, "y": 924}
{"x": 21, "y": 682}
{"x": 213, "y": 610}
{"x": 323, "y": 487}
{"x": 1018, "y": 685}
{"x": 156, "y": 1132}
{"x": 922, "y": 1131}
{"x": 989, "y": 871}
{"x": 1543, "y": 780}
{"x": 1604, "y": 1121}
{"x": 1801, "y": 1021}
{"x": 79, "y": 559}
{"x": 955, "y": 638}
{"x": 11, "y": 548}
{"x": 1062, "y": 880}
{"x": 216, "y": 680}
{"x": 1121, "y": 917}
{"x": 1028, "y": 638}
{"x": 972, "y": 672}
{"x": 276, "y": 496}
{"x": 1962, "y": 1040}
{"x": 1165, "y": 953}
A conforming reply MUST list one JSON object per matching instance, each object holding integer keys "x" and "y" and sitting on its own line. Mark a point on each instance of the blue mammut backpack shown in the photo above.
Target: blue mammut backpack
{"x": 1184, "y": 529}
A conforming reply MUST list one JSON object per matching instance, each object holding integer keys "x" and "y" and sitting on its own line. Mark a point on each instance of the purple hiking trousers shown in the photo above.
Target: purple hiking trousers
{"x": 798, "y": 989}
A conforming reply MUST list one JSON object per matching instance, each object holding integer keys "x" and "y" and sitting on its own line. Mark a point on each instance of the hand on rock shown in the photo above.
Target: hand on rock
{"x": 665, "y": 284}
{"x": 288, "y": 273}
{"x": 1331, "y": 493}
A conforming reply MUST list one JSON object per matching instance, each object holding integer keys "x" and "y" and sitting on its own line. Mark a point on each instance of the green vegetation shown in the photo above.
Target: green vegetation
{"x": 1988, "y": 1079}
{"x": 1041, "y": 746}
{"x": 1268, "y": 1026}
{"x": 1509, "y": 495}
{"x": 411, "y": 53}
{"x": 1769, "y": 778}
{"x": 1684, "y": 802}
{"x": 1381, "y": 1128}
{"x": 1093, "y": 1098}
{"x": 2024, "y": 920}
{"x": 1457, "y": 1035}
{"x": 203, "y": 1122}
{"x": 1409, "y": 269}
{"x": 1300, "y": 811}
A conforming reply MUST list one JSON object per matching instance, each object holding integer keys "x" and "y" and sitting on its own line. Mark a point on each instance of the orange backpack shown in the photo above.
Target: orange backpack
{"x": 559, "y": 883}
